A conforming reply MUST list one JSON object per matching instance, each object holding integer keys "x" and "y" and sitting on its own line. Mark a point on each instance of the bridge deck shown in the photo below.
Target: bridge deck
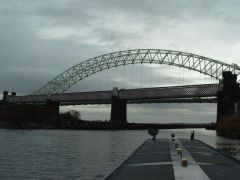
{"x": 155, "y": 160}
{"x": 188, "y": 91}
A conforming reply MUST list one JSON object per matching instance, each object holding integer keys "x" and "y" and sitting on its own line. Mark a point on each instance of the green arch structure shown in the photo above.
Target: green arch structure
{"x": 71, "y": 76}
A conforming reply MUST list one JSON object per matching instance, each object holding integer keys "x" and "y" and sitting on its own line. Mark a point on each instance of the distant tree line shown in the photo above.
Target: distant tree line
{"x": 71, "y": 115}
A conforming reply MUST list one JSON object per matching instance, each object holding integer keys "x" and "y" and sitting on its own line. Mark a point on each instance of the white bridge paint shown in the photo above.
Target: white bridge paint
{"x": 201, "y": 64}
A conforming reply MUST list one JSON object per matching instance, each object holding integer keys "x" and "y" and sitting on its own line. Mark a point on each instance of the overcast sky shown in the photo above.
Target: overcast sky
{"x": 40, "y": 39}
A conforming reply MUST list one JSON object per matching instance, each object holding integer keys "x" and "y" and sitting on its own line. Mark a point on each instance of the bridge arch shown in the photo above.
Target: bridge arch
{"x": 71, "y": 76}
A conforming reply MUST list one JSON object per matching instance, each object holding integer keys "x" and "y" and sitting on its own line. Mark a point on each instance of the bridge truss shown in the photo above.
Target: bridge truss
{"x": 71, "y": 76}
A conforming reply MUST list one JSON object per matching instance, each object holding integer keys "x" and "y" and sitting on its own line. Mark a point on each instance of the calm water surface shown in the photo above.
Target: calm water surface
{"x": 70, "y": 154}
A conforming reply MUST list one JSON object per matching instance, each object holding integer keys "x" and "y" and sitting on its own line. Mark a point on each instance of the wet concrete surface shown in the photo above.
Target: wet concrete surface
{"x": 159, "y": 159}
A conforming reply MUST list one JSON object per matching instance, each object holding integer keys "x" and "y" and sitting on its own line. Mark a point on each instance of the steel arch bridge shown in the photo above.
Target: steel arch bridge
{"x": 71, "y": 76}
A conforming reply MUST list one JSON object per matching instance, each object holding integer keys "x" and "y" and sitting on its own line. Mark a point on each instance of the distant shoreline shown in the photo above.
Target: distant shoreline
{"x": 100, "y": 125}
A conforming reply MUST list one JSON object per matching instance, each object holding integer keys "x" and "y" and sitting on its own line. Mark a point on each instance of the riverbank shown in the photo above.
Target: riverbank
{"x": 100, "y": 125}
{"x": 28, "y": 116}
{"x": 103, "y": 125}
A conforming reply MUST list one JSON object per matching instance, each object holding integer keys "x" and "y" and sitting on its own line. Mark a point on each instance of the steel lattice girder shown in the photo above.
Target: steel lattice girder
{"x": 71, "y": 76}
{"x": 198, "y": 92}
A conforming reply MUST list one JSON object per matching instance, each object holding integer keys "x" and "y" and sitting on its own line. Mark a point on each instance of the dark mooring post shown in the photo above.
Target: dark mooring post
{"x": 119, "y": 108}
{"x": 228, "y": 96}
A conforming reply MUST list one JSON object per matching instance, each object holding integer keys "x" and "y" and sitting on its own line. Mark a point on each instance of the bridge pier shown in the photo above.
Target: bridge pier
{"x": 118, "y": 108}
{"x": 228, "y": 97}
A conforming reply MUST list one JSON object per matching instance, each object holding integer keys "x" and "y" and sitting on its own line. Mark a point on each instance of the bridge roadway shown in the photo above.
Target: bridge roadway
{"x": 147, "y": 101}
{"x": 137, "y": 95}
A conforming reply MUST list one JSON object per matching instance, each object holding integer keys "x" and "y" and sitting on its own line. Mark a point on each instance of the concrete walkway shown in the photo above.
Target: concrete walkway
{"x": 156, "y": 160}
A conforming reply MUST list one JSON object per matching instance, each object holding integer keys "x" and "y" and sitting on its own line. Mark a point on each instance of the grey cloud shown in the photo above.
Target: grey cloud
{"x": 98, "y": 27}
{"x": 95, "y": 14}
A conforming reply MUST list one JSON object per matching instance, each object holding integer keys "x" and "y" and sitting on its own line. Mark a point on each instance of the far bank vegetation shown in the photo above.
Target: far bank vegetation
{"x": 230, "y": 127}
{"x": 71, "y": 115}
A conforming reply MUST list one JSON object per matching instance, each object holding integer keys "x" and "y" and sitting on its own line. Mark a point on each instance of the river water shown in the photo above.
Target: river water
{"x": 85, "y": 155}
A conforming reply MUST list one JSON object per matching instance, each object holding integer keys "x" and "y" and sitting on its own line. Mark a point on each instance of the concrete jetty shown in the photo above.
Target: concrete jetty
{"x": 170, "y": 159}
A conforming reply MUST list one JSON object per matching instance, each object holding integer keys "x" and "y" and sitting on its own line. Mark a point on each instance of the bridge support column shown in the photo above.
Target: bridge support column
{"x": 227, "y": 97}
{"x": 118, "y": 109}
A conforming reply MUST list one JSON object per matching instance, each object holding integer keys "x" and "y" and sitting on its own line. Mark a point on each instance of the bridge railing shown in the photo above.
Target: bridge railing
{"x": 202, "y": 90}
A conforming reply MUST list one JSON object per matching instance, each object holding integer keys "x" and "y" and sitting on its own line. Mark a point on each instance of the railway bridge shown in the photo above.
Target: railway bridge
{"x": 225, "y": 94}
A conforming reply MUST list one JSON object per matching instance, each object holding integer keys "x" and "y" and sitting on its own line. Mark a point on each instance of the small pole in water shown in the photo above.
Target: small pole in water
{"x": 192, "y": 135}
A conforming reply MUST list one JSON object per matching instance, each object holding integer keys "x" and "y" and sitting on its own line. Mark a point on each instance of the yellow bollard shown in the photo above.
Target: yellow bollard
{"x": 179, "y": 151}
{"x": 184, "y": 162}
